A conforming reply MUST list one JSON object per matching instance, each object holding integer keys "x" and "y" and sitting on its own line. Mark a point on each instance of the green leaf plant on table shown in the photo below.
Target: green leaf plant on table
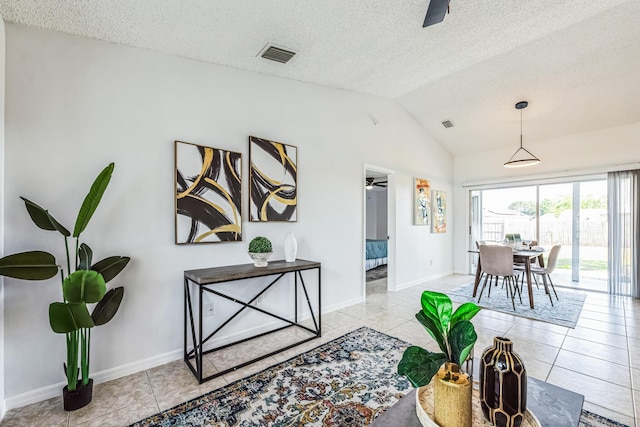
{"x": 453, "y": 332}
{"x": 85, "y": 285}
{"x": 456, "y": 336}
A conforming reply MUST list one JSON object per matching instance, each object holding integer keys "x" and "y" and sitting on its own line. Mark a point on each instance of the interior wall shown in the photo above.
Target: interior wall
{"x": 2, "y": 168}
{"x": 376, "y": 211}
{"x": 75, "y": 104}
{"x": 571, "y": 155}
{"x": 381, "y": 229}
{"x": 371, "y": 212}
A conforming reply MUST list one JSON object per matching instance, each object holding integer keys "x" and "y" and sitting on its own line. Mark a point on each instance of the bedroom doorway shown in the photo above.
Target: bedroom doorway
{"x": 376, "y": 230}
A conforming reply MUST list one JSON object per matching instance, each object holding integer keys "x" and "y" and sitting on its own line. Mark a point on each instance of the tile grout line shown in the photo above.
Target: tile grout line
{"x": 146, "y": 372}
{"x": 633, "y": 392}
{"x": 557, "y": 355}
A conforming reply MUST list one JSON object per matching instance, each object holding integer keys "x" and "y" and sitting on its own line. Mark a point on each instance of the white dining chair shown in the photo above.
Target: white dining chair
{"x": 547, "y": 270}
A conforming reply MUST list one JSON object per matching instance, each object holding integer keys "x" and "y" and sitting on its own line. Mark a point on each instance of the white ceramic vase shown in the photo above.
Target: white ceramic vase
{"x": 290, "y": 247}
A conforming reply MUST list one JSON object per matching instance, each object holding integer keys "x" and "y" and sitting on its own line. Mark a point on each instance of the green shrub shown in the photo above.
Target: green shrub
{"x": 260, "y": 245}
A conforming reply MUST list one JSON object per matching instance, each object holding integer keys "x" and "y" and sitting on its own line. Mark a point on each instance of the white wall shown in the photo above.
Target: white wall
{"x": 2, "y": 164}
{"x": 571, "y": 155}
{"x": 74, "y": 104}
{"x": 382, "y": 231}
{"x": 376, "y": 212}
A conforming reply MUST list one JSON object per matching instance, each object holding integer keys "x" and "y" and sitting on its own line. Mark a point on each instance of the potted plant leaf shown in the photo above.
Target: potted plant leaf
{"x": 86, "y": 284}
{"x": 455, "y": 335}
{"x": 260, "y": 251}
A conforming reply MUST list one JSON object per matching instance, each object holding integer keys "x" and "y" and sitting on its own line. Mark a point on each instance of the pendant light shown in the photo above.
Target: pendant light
{"x": 522, "y": 157}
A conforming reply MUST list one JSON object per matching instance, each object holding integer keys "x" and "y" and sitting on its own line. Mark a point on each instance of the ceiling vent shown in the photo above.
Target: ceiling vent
{"x": 277, "y": 54}
{"x": 447, "y": 124}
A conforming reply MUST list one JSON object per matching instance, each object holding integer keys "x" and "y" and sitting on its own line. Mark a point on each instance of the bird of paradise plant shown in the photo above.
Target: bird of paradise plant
{"x": 85, "y": 285}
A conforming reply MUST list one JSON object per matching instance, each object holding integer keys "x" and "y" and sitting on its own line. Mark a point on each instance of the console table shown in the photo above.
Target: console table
{"x": 204, "y": 280}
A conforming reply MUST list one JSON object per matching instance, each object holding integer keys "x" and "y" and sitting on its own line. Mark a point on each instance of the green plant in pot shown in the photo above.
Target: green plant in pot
{"x": 86, "y": 284}
{"x": 260, "y": 249}
{"x": 456, "y": 336}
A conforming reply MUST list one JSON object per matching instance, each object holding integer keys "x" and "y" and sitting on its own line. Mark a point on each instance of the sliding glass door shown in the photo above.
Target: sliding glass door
{"x": 571, "y": 214}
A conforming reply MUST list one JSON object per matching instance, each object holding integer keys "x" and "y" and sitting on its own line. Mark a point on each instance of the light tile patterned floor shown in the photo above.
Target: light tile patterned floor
{"x": 599, "y": 358}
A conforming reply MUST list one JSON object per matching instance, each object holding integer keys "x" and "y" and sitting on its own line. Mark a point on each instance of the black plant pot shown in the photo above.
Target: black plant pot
{"x": 79, "y": 397}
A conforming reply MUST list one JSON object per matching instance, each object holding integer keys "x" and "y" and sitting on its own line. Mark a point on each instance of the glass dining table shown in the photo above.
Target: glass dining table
{"x": 519, "y": 255}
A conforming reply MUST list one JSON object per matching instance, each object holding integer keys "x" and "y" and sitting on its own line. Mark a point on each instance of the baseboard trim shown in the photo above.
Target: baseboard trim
{"x": 419, "y": 281}
{"x": 55, "y": 390}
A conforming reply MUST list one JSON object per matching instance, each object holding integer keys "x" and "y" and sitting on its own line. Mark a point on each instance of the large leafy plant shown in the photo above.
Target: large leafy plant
{"x": 452, "y": 331}
{"x": 85, "y": 285}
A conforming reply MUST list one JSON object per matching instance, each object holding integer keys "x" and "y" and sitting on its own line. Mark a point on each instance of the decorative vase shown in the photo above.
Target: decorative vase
{"x": 503, "y": 384}
{"x": 452, "y": 397}
{"x": 78, "y": 398}
{"x": 260, "y": 258}
{"x": 290, "y": 247}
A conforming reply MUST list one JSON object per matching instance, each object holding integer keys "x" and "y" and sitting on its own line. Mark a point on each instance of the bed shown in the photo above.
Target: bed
{"x": 376, "y": 253}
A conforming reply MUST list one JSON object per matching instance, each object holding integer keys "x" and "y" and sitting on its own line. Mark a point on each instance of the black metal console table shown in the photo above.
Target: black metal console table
{"x": 203, "y": 279}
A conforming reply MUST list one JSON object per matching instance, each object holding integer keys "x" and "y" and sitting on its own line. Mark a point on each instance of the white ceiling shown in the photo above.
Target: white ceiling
{"x": 577, "y": 62}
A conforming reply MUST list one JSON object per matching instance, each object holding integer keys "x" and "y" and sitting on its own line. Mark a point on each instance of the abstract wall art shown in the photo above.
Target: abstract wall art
{"x": 208, "y": 194}
{"x": 439, "y": 203}
{"x": 422, "y": 202}
{"x": 273, "y": 181}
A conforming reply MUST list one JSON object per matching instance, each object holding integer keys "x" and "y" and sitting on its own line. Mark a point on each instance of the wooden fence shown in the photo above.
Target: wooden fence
{"x": 593, "y": 230}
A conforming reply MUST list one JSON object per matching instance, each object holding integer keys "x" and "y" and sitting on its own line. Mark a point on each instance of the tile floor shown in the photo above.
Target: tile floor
{"x": 599, "y": 358}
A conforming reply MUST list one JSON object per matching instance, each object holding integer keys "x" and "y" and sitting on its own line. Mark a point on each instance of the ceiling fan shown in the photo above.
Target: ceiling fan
{"x": 436, "y": 11}
{"x": 371, "y": 182}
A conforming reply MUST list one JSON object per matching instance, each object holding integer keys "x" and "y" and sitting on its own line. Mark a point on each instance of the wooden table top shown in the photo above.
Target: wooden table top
{"x": 206, "y": 276}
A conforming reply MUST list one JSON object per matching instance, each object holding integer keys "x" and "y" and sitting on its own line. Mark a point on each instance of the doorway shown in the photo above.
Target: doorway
{"x": 377, "y": 220}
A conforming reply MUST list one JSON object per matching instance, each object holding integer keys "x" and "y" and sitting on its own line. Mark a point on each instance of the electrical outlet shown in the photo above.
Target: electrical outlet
{"x": 208, "y": 310}
{"x": 430, "y": 263}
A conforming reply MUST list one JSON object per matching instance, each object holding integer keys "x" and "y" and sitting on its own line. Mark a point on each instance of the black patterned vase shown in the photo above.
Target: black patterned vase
{"x": 503, "y": 384}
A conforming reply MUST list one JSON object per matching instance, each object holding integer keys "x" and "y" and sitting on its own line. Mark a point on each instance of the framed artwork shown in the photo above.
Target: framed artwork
{"x": 422, "y": 202}
{"x": 439, "y": 224}
{"x": 273, "y": 178}
{"x": 208, "y": 194}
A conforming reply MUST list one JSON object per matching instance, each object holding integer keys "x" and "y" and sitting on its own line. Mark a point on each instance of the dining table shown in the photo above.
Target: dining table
{"x": 525, "y": 255}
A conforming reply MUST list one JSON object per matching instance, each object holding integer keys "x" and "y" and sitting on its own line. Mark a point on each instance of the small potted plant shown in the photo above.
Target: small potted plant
{"x": 260, "y": 250}
{"x": 83, "y": 282}
{"x": 456, "y": 336}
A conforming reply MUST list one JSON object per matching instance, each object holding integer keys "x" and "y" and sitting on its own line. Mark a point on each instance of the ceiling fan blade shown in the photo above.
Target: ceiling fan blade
{"x": 436, "y": 11}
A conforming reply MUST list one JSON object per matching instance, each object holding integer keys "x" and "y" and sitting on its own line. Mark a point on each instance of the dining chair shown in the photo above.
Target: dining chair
{"x": 547, "y": 270}
{"x": 478, "y": 244}
{"x": 497, "y": 261}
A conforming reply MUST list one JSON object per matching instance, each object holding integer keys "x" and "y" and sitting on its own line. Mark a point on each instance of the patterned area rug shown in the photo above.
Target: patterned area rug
{"x": 380, "y": 272}
{"x": 589, "y": 419}
{"x": 346, "y": 382}
{"x": 564, "y": 312}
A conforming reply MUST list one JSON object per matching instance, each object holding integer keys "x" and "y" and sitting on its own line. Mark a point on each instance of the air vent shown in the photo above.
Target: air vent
{"x": 277, "y": 54}
{"x": 447, "y": 124}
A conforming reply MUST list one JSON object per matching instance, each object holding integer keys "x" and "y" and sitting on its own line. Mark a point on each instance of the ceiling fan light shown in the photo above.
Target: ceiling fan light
{"x": 368, "y": 183}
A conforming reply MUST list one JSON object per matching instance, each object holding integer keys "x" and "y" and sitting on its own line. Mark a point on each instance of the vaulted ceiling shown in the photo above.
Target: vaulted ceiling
{"x": 577, "y": 62}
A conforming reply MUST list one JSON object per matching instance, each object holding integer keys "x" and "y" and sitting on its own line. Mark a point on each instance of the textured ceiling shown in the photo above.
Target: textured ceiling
{"x": 577, "y": 62}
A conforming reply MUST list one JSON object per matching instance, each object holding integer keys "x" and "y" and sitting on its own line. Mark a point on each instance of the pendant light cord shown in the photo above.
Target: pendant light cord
{"x": 521, "y": 128}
